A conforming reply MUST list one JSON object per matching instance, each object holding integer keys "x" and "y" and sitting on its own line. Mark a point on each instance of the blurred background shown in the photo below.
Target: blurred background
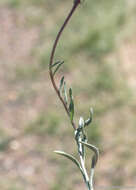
{"x": 99, "y": 50}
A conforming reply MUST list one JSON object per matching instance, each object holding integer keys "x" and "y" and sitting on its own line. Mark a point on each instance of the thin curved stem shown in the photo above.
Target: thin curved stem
{"x": 75, "y": 5}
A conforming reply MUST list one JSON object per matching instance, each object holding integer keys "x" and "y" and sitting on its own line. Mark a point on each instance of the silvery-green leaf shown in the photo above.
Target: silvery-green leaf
{"x": 61, "y": 84}
{"x": 70, "y": 93}
{"x": 89, "y": 120}
{"x": 71, "y": 105}
{"x": 65, "y": 94}
{"x": 72, "y": 158}
{"x": 58, "y": 66}
{"x": 93, "y": 148}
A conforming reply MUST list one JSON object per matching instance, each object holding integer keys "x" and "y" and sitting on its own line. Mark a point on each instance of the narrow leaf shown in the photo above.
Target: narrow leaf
{"x": 58, "y": 66}
{"x": 71, "y": 109}
{"x": 93, "y": 148}
{"x": 56, "y": 63}
{"x": 61, "y": 84}
{"x": 72, "y": 158}
{"x": 71, "y": 105}
{"x": 65, "y": 94}
{"x": 70, "y": 93}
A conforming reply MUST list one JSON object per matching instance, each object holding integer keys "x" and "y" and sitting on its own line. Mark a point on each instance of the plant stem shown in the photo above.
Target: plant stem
{"x": 75, "y": 5}
{"x": 82, "y": 161}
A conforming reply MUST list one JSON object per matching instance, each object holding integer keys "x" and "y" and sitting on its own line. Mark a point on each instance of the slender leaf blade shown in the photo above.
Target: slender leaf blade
{"x": 70, "y": 93}
{"x": 72, "y": 158}
{"x": 65, "y": 94}
{"x": 71, "y": 105}
{"x": 56, "y": 63}
{"x": 57, "y": 68}
{"x": 61, "y": 84}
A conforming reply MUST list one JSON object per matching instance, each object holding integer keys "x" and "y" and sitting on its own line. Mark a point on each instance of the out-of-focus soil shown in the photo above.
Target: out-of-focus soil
{"x": 20, "y": 162}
